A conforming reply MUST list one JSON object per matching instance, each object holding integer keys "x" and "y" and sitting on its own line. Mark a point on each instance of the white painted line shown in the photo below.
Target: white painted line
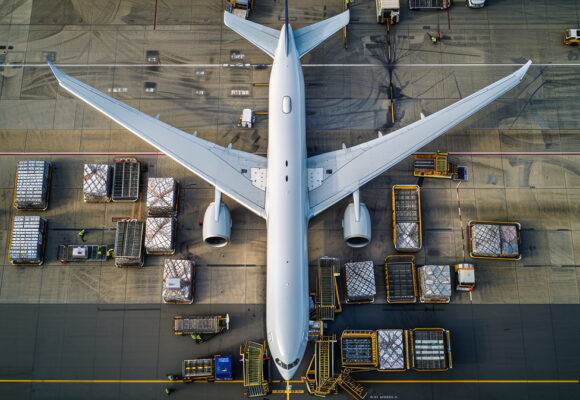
{"x": 304, "y": 65}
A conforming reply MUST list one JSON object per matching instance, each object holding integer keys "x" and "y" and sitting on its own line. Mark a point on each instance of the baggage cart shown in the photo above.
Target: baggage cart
{"x": 400, "y": 277}
{"x": 407, "y": 235}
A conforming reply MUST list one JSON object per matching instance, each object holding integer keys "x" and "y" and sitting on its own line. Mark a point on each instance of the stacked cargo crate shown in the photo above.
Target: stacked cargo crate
{"x": 27, "y": 240}
{"x": 129, "y": 244}
{"x": 161, "y": 211}
{"x": 496, "y": 240}
{"x": 359, "y": 282}
{"x": 97, "y": 183}
{"x": 32, "y": 185}
{"x": 178, "y": 283}
{"x": 392, "y": 347}
{"x": 434, "y": 283}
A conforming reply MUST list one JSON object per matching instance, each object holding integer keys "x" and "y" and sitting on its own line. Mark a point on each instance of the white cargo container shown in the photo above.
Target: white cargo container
{"x": 178, "y": 281}
{"x": 32, "y": 185}
{"x": 97, "y": 183}
{"x": 27, "y": 240}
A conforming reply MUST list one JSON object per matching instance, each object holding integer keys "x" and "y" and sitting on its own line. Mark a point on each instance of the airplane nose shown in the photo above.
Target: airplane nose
{"x": 286, "y": 375}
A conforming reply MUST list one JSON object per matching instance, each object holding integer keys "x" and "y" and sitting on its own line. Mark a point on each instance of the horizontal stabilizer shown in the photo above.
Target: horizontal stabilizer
{"x": 264, "y": 38}
{"x": 311, "y": 36}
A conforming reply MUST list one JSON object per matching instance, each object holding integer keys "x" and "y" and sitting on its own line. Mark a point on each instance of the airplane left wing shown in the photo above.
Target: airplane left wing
{"x": 340, "y": 173}
{"x": 230, "y": 171}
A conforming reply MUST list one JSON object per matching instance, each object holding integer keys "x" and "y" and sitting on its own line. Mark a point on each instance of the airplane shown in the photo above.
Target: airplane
{"x": 287, "y": 188}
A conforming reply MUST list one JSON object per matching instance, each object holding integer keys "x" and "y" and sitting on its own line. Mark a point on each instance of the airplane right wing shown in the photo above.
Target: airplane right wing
{"x": 339, "y": 173}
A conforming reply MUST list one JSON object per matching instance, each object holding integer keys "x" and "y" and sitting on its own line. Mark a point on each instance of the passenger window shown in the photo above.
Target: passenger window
{"x": 286, "y": 105}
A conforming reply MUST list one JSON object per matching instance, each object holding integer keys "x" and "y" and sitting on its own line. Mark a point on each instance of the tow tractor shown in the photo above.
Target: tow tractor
{"x": 572, "y": 37}
{"x": 241, "y": 8}
{"x": 437, "y": 165}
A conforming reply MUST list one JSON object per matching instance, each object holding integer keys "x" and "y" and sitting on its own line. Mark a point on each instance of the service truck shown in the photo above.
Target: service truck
{"x": 216, "y": 368}
{"x": 388, "y": 11}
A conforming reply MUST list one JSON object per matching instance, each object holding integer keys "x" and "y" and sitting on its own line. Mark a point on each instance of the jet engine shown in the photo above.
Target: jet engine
{"x": 217, "y": 229}
{"x": 356, "y": 225}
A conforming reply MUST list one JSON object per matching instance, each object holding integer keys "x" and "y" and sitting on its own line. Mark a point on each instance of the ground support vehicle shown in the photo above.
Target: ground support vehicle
{"x": 216, "y": 368}
{"x": 359, "y": 282}
{"x": 76, "y": 253}
{"x": 400, "y": 277}
{"x": 241, "y": 8}
{"x": 572, "y": 37}
{"x": 201, "y": 327}
{"x": 407, "y": 235}
{"x": 253, "y": 355}
{"x": 434, "y": 283}
{"x": 437, "y": 165}
{"x": 388, "y": 11}
{"x": 320, "y": 377}
{"x": 430, "y": 349}
{"x": 465, "y": 277}
{"x": 494, "y": 240}
{"x": 429, "y": 4}
{"x": 327, "y": 301}
{"x": 475, "y": 3}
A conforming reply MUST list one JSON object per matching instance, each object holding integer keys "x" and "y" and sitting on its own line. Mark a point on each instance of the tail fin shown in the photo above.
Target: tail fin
{"x": 266, "y": 39}
{"x": 311, "y": 36}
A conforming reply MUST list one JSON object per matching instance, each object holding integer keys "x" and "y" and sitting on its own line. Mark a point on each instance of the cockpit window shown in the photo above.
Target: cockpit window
{"x": 286, "y": 105}
{"x": 287, "y": 366}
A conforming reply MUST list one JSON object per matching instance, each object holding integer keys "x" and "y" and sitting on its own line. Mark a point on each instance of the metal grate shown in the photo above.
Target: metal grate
{"x": 129, "y": 243}
{"x": 429, "y": 349}
{"x": 126, "y": 180}
{"x": 401, "y": 282}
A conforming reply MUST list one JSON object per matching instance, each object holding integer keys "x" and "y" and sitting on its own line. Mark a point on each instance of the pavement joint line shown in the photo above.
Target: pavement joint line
{"x": 222, "y": 65}
{"x": 153, "y": 153}
{"x": 531, "y": 381}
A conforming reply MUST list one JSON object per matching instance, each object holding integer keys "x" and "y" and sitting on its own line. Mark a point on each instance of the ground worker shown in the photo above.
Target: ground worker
{"x": 109, "y": 252}
{"x": 82, "y": 234}
{"x": 434, "y": 39}
{"x": 167, "y": 391}
{"x": 170, "y": 377}
{"x": 99, "y": 252}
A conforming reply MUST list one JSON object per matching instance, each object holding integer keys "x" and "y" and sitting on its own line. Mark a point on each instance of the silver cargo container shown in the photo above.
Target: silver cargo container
{"x": 27, "y": 240}
{"x": 97, "y": 183}
{"x": 162, "y": 195}
{"x": 32, "y": 185}
{"x": 435, "y": 283}
{"x": 159, "y": 235}
{"x": 178, "y": 281}
{"x": 360, "y": 286}
{"x": 392, "y": 350}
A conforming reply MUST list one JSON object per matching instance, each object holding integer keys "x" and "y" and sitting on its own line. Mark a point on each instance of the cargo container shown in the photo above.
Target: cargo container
{"x": 178, "y": 281}
{"x": 126, "y": 172}
{"x": 129, "y": 244}
{"x": 162, "y": 197}
{"x": 97, "y": 183}
{"x": 465, "y": 274}
{"x": 216, "y": 368}
{"x": 430, "y": 349}
{"x": 494, "y": 240}
{"x": 160, "y": 236}
{"x": 407, "y": 235}
{"x": 400, "y": 278}
{"x": 32, "y": 184}
{"x": 434, "y": 283}
{"x": 359, "y": 282}
{"x": 429, "y": 4}
{"x": 27, "y": 240}
{"x": 390, "y": 350}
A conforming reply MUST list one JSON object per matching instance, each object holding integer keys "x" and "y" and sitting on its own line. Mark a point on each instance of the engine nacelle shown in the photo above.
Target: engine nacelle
{"x": 217, "y": 233}
{"x": 356, "y": 233}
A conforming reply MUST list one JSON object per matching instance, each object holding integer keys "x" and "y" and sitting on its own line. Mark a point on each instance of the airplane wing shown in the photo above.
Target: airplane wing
{"x": 229, "y": 170}
{"x": 343, "y": 171}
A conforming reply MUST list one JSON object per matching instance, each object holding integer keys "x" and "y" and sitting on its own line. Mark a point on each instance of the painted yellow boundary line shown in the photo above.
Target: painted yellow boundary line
{"x": 476, "y": 381}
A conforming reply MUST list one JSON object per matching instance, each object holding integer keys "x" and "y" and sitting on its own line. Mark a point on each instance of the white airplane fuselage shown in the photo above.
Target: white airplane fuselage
{"x": 287, "y": 311}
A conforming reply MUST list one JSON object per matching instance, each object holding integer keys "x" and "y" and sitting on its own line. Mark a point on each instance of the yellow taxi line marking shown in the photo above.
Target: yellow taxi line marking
{"x": 475, "y": 381}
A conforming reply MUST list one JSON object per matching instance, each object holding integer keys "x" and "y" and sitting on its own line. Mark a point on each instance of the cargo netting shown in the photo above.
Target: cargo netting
{"x": 161, "y": 197}
{"x": 360, "y": 281}
{"x": 159, "y": 234}
{"x": 435, "y": 281}
{"x": 26, "y": 244}
{"x": 391, "y": 349}
{"x": 491, "y": 240}
{"x": 97, "y": 183}
{"x": 32, "y": 180}
{"x": 407, "y": 235}
{"x": 177, "y": 281}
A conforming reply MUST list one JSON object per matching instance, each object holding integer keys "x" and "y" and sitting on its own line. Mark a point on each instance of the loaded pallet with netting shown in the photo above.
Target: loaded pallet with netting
{"x": 359, "y": 282}
{"x": 27, "y": 240}
{"x": 32, "y": 184}
{"x": 407, "y": 229}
